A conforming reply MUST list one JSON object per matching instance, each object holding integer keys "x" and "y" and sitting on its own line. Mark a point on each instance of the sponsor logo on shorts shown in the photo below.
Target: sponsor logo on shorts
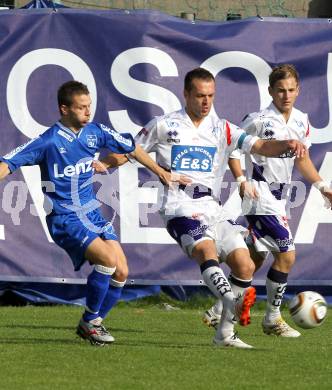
{"x": 283, "y": 243}
{"x": 197, "y": 231}
{"x": 84, "y": 240}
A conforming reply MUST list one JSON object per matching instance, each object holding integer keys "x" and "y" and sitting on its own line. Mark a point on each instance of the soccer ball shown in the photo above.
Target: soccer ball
{"x": 308, "y": 309}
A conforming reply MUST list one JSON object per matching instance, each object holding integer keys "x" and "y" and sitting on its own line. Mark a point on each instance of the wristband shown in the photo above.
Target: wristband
{"x": 320, "y": 185}
{"x": 240, "y": 179}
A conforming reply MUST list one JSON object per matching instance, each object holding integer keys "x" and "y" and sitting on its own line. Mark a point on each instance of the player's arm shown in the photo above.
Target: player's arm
{"x": 274, "y": 148}
{"x": 4, "y": 170}
{"x": 244, "y": 187}
{"x": 309, "y": 172}
{"x": 139, "y": 154}
{"x": 111, "y": 160}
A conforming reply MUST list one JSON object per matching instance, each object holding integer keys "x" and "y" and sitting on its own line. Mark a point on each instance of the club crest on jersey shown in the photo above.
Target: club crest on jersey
{"x": 192, "y": 158}
{"x": 299, "y": 123}
{"x": 172, "y": 124}
{"x": 91, "y": 140}
{"x": 216, "y": 131}
{"x": 172, "y": 137}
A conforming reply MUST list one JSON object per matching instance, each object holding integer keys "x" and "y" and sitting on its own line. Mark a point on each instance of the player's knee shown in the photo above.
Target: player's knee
{"x": 121, "y": 273}
{"x": 106, "y": 260}
{"x": 205, "y": 250}
{"x": 245, "y": 270}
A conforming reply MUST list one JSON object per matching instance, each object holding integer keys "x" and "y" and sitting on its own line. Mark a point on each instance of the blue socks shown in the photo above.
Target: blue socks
{"x": 97, "y": 287}
{"x": 112, "y": 296}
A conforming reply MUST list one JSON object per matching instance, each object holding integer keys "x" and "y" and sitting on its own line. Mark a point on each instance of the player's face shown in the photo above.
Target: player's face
{"x": 199, "y": 99}
{"x": 284, "y": 94}
{"x": 77, "y": 115}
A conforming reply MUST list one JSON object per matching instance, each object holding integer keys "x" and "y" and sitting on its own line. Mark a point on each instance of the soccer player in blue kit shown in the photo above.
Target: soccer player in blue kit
{"x": 65, "y": 153}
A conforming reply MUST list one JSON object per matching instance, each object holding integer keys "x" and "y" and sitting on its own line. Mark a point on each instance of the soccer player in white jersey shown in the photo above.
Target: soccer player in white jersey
{"x": 65, "y": 152}
{"x": 271, "y": 181}
{"x": 195, "y": 142}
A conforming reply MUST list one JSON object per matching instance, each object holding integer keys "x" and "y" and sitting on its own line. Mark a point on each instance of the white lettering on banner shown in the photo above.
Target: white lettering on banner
{"x": 19, "y": 77}
{"x": 153, "y": 94}
{"x": 324, "y": 135}
{"x": 2, "y": 232}
{"x": 130, "y": 199}
{"x": 314, "y": 211}
{"x": 240, "y": 59}
{"x": 33, "y": 180}
{"x": 140, "y": 90}
{"x": 19, "y": 111}
{"x": 14, "y": 208}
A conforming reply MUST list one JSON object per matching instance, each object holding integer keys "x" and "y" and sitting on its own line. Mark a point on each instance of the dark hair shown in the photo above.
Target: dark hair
{"x": 197, "y": 73}
{"x": 282, "y": 72}
{"x": 68, "y": 89}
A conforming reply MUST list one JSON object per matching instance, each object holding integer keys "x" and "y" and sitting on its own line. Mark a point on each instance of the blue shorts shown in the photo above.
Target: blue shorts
{"x": 270, "y": 233}
{"x": 74, "y": 234}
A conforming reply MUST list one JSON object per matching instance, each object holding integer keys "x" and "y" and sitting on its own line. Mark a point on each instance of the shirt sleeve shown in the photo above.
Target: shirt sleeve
{"x": 148, "y": 136}
{"x": 120, "y": 143}
{"x": 238, "y": 140}
{"x": 30, "y": 153}
{"x": 307, "y": 140}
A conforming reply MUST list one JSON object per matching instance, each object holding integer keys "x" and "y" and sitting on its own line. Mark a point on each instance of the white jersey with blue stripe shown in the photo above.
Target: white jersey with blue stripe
{"x": 201, "y": 153}
{"x": 65, "y": 159}
{"x": 272, "y": 175}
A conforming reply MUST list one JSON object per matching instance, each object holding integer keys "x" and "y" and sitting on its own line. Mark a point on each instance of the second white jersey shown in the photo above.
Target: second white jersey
{"x": 201, "y": 153}
{"x": 272, "y": 175}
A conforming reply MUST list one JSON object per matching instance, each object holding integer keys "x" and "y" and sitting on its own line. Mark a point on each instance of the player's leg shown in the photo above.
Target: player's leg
{"x": 81, "y": 243}
{"x": 117, "y": 280}
{"x": 206, "y": 256}
{"x": 196, "y": 240}
{"x": 272, "y": 233}
{"x": 276, "y": 283}
{"x": 232, "y": 247}
{"x": 105, "y": 262}
{"x": 242, "y": 269}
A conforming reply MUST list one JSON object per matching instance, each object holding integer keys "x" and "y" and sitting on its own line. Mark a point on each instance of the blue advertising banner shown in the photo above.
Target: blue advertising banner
{"x": 134, "y": 64}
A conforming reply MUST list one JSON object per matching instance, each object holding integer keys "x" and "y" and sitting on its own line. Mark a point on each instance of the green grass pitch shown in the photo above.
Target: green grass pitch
{"x": 155, "y": 348}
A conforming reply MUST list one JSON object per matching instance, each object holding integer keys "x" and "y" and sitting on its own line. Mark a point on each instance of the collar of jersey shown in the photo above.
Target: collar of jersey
{"x": 185, "y": 115}
{"x": 275, "y": 109}
{"x": 70, "y": 132}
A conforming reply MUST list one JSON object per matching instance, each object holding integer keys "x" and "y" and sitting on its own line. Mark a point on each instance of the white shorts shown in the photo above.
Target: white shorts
{"x": 188, "y": 232}
{"x": 270, "y": 233}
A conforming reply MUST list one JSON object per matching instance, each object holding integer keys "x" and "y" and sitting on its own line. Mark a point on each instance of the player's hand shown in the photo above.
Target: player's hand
{"x": 248, "y": 190}
{"x": 99, "y": 166}
{"x": 297, "y": 148}
{"x": 168, "y": 178}
{"x": 327, "y": 195}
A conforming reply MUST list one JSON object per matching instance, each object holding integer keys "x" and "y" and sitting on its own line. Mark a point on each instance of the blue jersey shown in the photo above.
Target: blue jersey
{"x": 65, "y": 159}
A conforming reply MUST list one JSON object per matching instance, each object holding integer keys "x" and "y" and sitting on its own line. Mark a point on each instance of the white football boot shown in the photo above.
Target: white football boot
{"x": 231, "y": 341}
{"x": 279, "y": 328}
